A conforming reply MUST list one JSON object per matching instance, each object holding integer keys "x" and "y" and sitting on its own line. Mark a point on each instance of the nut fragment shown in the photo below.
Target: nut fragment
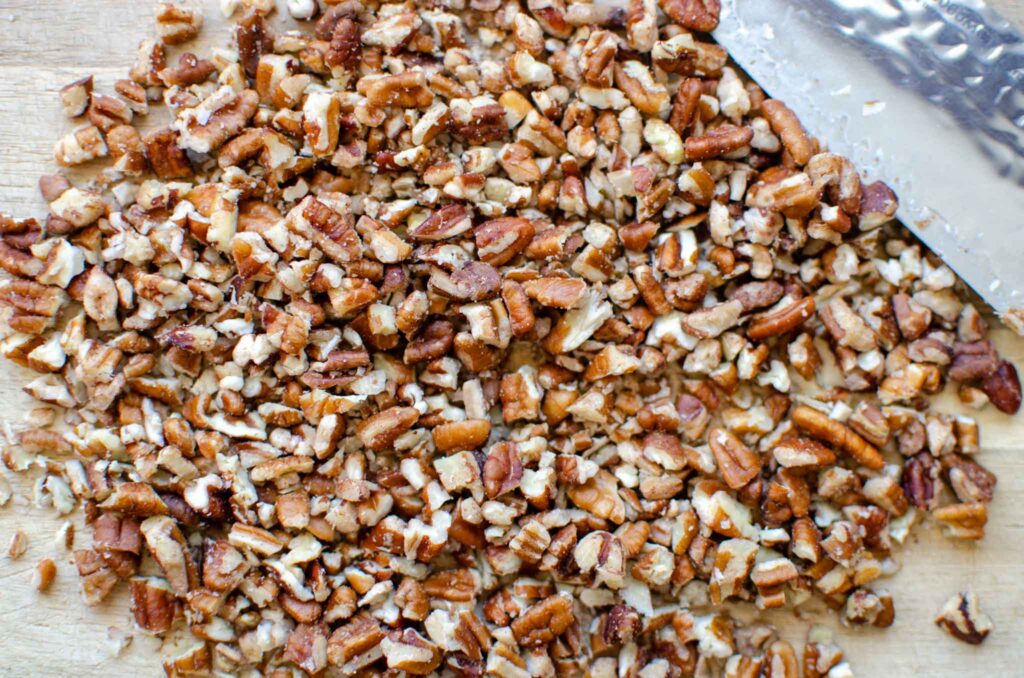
{"x": 18, "y": 545}
{"x": 176, "y": 24}
{"x": 44, "y": 575}
{"x": 820, "y": 425}
{"x": 962, "y": 618}
{"x": 544, "y": 621}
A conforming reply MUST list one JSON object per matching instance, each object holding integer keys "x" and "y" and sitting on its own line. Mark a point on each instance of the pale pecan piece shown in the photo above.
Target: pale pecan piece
{"x": 472, "y": 281}
{"x": 75, "y": 97}
{"x": 135, "y": 499}
{"x": 220, "y": 117}
{"x": 408, "y": 651}
{"x": 712, "y": 321}
{"x": 168, "y": 547}
{"x": 80, "y": 146}
{"x": 98, "y": 579}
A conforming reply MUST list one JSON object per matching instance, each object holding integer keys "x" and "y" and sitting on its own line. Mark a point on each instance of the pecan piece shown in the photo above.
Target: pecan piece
{"x": 503, "y": 469}
{"x": 380, "y": 431}
{"x": 963, "y": 521}
{"x": 757, "y": 294}
{"x": 785, "y": 123}
{"x": 448, "y": 222}
{"x": 1003, "y": 388}
{"x": 542, "y": 622}
{"x": 358, "y": 637}
{"x": 737, "y": 463}
{"x": 823, "y": 427}
{"x": 166, "y": 158}
{"x": 562, "y": 293}
{"x": 781, "y": 321}
{"x": 456, "y": 436}
{"x": 962, "y": 618}
{"x": 971, "y": 481}
{"x": 403, "y": 90}
{"x": 153, "y": 604}
{"x": 695, "y": 15}
{"x": 972, "y": 361}
{"x": 717, "y": 142}
{"x": 176, "y": 24}
{"x": 921, "y": 481}
{"x": 498, "y": 241}
{"x": 803, "y": 453}
{"x": 168, "y": 547}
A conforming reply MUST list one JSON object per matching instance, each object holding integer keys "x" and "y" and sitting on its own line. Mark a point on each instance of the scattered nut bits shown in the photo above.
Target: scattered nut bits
{"x": 962, "y": 618}
{"x": 461, "y": 341}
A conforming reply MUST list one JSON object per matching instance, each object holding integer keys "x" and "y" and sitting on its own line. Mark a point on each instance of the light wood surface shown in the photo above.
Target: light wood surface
{"x": 47, "y": 43}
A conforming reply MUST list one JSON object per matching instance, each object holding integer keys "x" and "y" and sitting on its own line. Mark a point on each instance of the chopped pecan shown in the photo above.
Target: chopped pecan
{"x": 736, "y": 462}
{"x": 962, "y": 618}
{"x": 785, "y": 123}
{"x": 823, "y": 427}
{"x": 176, "y": 24}
{"x": 696, "y": 15}
{"x": 1003, "y": 388}
{"x": 542, "y": 622}
{"x": 153, "y": 604}
{"x": 717, "y": 142}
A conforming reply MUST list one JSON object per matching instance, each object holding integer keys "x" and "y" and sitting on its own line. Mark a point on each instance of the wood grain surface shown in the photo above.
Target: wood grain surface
{"x": 45, "y": 44}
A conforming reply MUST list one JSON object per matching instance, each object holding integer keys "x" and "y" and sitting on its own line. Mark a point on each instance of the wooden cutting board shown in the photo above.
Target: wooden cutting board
{"x": 45, "y": 44}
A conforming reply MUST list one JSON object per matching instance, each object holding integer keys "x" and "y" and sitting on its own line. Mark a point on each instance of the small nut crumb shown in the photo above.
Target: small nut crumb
{"x": 18, "y": 545}
{"x": 44, "y": 574}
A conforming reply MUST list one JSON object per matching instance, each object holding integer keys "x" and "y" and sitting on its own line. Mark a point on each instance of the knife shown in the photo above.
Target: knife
{"x": 925, "y": 95}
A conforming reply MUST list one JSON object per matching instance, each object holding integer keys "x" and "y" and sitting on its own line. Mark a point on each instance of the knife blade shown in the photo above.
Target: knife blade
{"x": 927, "y": 96}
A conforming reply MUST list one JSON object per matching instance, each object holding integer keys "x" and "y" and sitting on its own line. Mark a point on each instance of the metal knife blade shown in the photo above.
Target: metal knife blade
{"x": 925, "y": 95}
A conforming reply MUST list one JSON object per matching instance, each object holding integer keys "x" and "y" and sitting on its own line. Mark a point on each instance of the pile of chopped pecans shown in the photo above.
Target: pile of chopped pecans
{"x": 469, "y": 337}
